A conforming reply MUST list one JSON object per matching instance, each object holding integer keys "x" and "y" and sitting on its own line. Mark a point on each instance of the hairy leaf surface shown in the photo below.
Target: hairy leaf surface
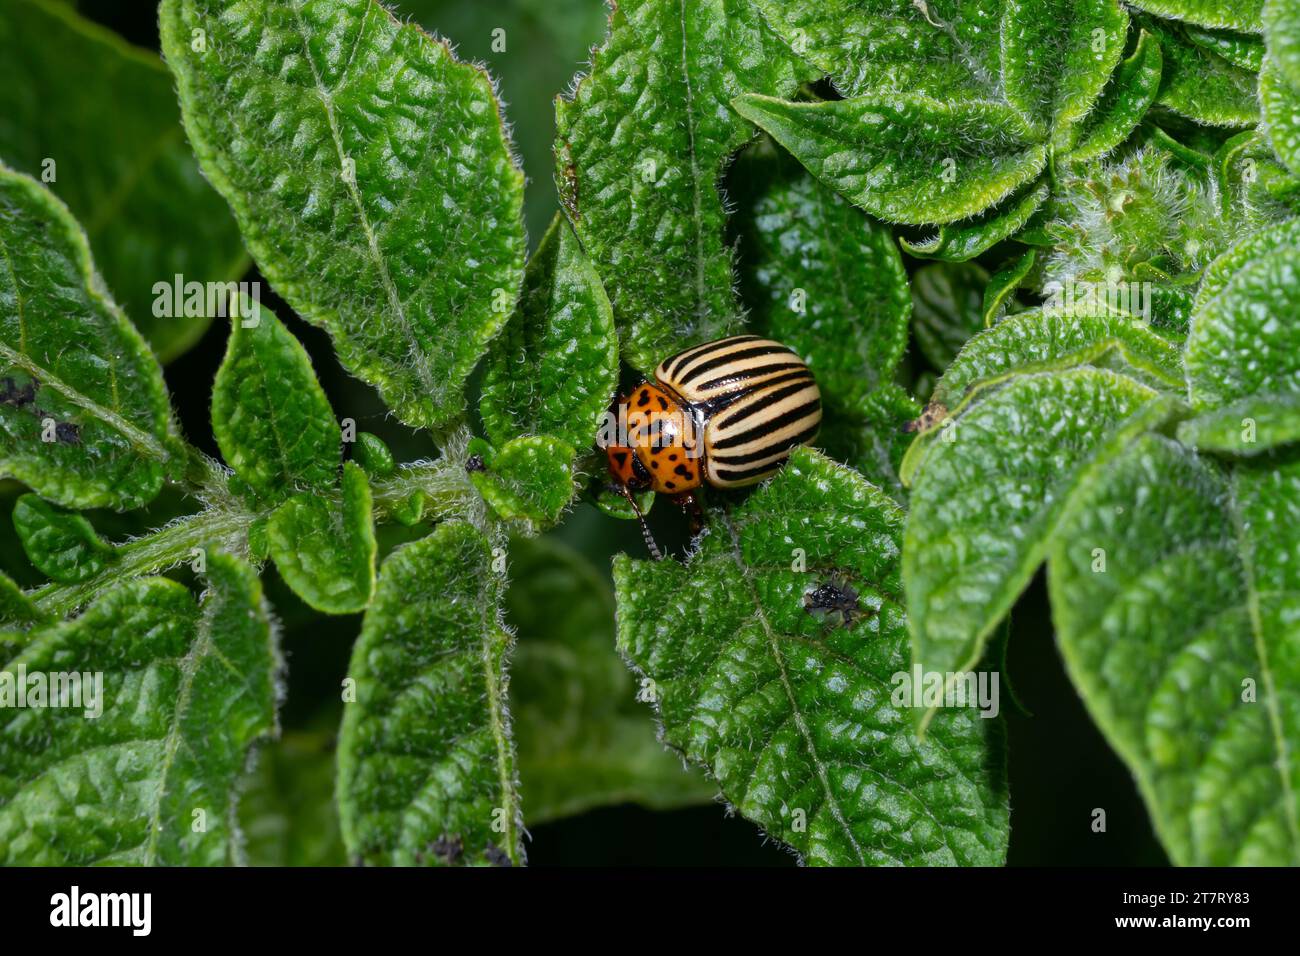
{"x": 1280, "y": 108}
{"x": 989, "y": 501}
{"x": 426, "y": 761}
{"x": 793, "y": 717}
{"x": 1247, "y": 427}
{"x": 83, "y": 410}
{"x": 967, "y": 238}
{"x": 62, "y": 545}
{"x": 904, "y": 157}
{"x": 820, "y": 277}
{"x": 324, "y": 547}
{"x": 1201, "y": 85}
{"x": 1166, "y": 680}
{"x": 186, "y": 689}
{"x": 1241, "y": 15}
{"x": 529, "y": 480}
{"x": 270, "y": 416}
{"x": 554, "y": 369}
{"x": 1239, "y": 344}
{"x": 1057, "y": 56}
{"x": 1132, "y": 90}
{"x": 640, "y": 149}
{"x": 1043, "y": 339}
{"x": 944, "y": 48}
{"x": 371, "y": 177}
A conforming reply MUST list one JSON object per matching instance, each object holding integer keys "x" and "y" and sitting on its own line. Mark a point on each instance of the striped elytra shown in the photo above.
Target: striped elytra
{"x": 726, "y": 413}
{"x": 756, "y": 399}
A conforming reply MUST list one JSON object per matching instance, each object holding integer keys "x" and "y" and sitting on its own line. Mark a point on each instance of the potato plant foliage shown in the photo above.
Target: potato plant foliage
{"x": 1084, "y": 215}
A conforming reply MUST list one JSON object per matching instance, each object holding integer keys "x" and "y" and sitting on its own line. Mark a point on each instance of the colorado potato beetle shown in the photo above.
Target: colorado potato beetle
{"x": 726, "y": 414}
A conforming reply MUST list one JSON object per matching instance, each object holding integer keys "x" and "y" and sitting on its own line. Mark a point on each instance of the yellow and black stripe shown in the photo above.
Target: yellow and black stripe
{"x": 757, "y": 398}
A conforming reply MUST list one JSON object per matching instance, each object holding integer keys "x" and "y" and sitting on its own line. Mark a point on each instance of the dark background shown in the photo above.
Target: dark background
{"x": 1061, "y": 769}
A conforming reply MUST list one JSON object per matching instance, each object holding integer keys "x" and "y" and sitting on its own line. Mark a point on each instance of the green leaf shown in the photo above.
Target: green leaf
{"x": 640, "y": 149}
{"x": 1057, "y": 56}
{"x": 16, "y": 608}
{"x": 1243, "y": 15}
{"x": 1243, "y": 50}
{"x": 555, "y": 368}
{"x": 286, "y": 809}
{"x": 1166, "y": 679}
{"x": 426, "y": 762}
{"x": 1052, "y": 340}
{"x": 371, "y": 177}
{"x": 794, "y": 717}
{"x": 105, "y": 114}
{"x": 325, "y": 548}
{"x": 1201, "y": 85}
{"x": 584, "y": 740}
{"x": 943, "y": 48}
{"x": 83, "y": 410}
{"x": 990, "y": 499}
{"x": 1280, "y": 108}
{"x": 820, "y": 277}
{"x": 1251, "y": 183}
{"x": 1282, "y": 36}
{"x": 62, "y": 545}
{"x": 615, "y": 504}
{"x": 1247, "y": 427}
{"x": 960, "y": 241}
{"x": 1124, "y": 102}
{"x": 904, "y": 157}
{"x": 185, "y": 691}
{"x": 1237, "y": 346}
{"x": 1001, "y": 289}
{"x": 869, "y": 434}
{"x": 948, "y": 308}
{"x": 529, "y": 480}
{"x": 270, "y": 416}
{"x": 374, "y": 456}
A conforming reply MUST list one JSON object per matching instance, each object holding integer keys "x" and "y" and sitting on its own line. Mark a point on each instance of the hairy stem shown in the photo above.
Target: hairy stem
{"x": 225, "y": 523}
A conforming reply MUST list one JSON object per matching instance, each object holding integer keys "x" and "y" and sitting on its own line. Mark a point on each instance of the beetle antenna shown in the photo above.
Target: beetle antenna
{"x": 645, "y": 528}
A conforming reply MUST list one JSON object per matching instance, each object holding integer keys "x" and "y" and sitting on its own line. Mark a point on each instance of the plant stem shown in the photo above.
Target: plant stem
{"x": 224, "y": 527}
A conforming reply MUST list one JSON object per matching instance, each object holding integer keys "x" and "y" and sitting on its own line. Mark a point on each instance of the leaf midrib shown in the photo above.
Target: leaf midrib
{"x": 795, "y": 711}
{"x": 697, "y": 211}
{"x": 1278, "y": 738}
{"x": 419, "y": 360}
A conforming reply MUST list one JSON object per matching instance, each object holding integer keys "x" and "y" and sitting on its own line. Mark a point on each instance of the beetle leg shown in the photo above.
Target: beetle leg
{"x": 690, "y": 503}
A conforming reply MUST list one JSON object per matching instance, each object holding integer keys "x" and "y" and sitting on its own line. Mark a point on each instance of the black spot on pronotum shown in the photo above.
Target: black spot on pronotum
{"x": 643, "y": 398}
{"x": 683, "y": 471}
{"x": 497, "y": 856}
{"x": 835, "y": 602}
{"x": 475, "y": 463}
